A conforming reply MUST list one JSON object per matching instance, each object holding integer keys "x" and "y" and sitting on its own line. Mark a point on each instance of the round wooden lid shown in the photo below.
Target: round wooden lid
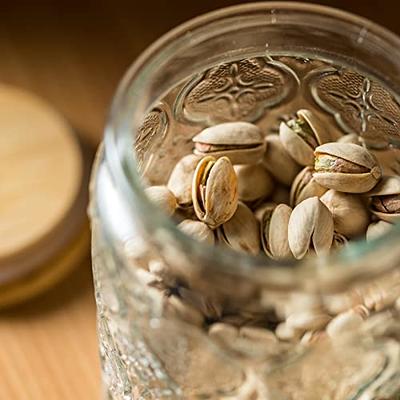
{"x": 41, "y": 172}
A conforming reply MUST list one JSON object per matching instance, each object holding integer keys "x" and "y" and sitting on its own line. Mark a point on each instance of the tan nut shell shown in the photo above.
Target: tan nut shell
{"x": 223, "y": 138}
{"x": 221, "y": 195}
{"x": 348, "y": 182}
{"x": 305, "y": 186}
{"x": 162, "y": 197}
{"x": 389, "y": 185}
{"x": 180, "y": 180}
{"x": 339, "y": 241}
{"x": 241, "y": 232}
{"x": 274, "y": 231}
{"x": 377, "y": 229}
{"x": 350, "y": 214}
{"x": 278, "y": 162}
{"x": 296, "y": 146}
{"x": 310, "y": 223}
{"x": 198, "y": 230}
{"x": 254, "y": 182}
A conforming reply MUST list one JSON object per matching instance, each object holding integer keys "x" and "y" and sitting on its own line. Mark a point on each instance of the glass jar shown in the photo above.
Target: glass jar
{"x": 254, "y": 62}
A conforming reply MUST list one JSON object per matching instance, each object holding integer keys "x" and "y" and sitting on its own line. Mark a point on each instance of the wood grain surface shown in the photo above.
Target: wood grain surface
{"x": 73, "y": 53}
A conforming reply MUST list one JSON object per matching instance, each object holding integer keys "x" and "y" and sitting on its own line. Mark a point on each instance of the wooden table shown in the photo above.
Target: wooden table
{"x": 73, "y": 53}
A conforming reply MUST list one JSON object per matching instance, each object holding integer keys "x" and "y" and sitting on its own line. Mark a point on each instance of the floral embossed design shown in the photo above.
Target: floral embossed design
{"x": 153, "y": 130}
{"x": 358, "y": 104}
{"x": 239, "y": 90}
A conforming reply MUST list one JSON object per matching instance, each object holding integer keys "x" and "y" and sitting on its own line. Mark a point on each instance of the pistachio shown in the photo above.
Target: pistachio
{"x": 180, "y": 180}
{"x": 242, "y": 142}
{"x": 377, "y": 229}
{"x": 161, "y": 270}
{"x": 310, "y": 225}
{"x": 385, "y": 199}
{"x": 350, "y": 215}
{"x": 311, "y": 337}
{"x": 308, "y": 320}
{"x": 175, "y": 308}
{"x": 223, "y": 331}
{"x": 198, "y": 230}
{"x": 350, "y": 138}
{"x": 305, "y": 186}
{"x": 344, "y": 323}
{"x": 209, "y": 307}
{"x": 214, "y": 191}
{"x": 300, "y": 136}
{"x": 162, "y": 197}
{"x": 274, "y": 231}
{"x": 287, "y": 333}
{"x": 241, "y": 232}
{"x": 278, "y": 162}
{"x": 339, "y": 241}
{"x": 346, "y": 167}
{"x": 254, "y": 182}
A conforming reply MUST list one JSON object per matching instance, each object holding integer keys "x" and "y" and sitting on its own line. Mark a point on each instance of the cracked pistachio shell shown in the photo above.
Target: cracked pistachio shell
{"x": 305, "y": 186}
{"x": 377, "y": 229}
{"x": 198, "y": 230}
{"x": 300, "y": 136}
{"x": 241, "y": 232}
{"x": 278, "y": 162}
{"x": 242, "y": 142}
{"x": 162, "y": 197}
{"x": 310, "y": 226}
{"x": 350, "y": 214}
{"x": 274, "y": 231}
{"x": 214, "y": 191}
{"x": 180, "y": 180}
{"x": 346, "y": 167}
{"x": 254, "y": 182}
{"x": 385, "y": 199}
{"x": 339, "y": 241}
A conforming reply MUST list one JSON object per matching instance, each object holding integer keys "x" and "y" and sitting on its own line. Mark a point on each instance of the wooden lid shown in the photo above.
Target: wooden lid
{"x": 41, "y": 173}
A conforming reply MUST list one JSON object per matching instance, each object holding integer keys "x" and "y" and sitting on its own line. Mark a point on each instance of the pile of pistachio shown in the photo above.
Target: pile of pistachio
{"x": 291, "y": 194}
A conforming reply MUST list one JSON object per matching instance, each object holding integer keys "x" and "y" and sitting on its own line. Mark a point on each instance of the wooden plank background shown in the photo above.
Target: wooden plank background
{"x": 73, "y": 53}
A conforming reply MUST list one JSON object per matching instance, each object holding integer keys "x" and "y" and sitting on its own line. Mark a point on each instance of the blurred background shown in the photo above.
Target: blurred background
{"x": 73, "y": 53}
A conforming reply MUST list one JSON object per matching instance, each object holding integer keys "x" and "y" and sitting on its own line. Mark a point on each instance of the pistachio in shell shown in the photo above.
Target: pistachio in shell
{"x": 305, "y": 186}
{"x": 377, "y": 229}
{"x": 242, "y": 142}
{"x": 274, "y": 231}
{"x": 278, "y": 162}
{"x": 346, "y": 167}
{"x": 180, "y": 180}
{"x": 385, "y": 199}
{"x": 241, "y": 232}
{"x": 339, "y": 241}
{"x": 301, "y": 135}
{"x": 214, "y": 191}
{"x": 310, "y": 227}
{"x": 254, "y": 182}
{"x": 349, "y": 211}
{"x": 198, "y": 230}
{"x": 162, "y": 197}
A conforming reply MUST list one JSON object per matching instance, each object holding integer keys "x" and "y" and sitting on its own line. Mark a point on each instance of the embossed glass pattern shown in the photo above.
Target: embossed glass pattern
{"x": 260, "y": 63}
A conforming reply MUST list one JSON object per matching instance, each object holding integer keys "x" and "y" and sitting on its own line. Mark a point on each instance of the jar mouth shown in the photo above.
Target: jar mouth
{"x": 340, "y": 267}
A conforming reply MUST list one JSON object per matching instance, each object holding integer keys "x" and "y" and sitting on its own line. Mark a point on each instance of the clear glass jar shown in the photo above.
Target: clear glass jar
{"x": 151, "y": 350}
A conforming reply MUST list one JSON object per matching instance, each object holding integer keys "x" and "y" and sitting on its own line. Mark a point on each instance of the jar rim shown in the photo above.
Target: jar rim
{"x": 123, "y": 170}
